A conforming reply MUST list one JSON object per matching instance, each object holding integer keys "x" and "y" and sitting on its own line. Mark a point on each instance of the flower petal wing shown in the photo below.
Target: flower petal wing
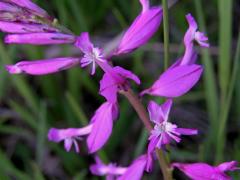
{"x": 83, "y": 43}
{"x": 176, "y": 82}
{"x": 126, "y": 74}
{"x": 102, "y": 127}
{"x": 136, "y": 169}
{"x": 108, "y": 88}
{"x": 155, "y": 112}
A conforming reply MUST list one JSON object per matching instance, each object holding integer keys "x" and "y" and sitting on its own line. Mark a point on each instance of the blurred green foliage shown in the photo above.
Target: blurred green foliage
{"x": 31, "y": 105}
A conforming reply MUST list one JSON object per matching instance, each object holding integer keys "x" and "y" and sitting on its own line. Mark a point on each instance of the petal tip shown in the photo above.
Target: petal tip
{"x": 53, "y": 135}
{"x": 13, "y": 69}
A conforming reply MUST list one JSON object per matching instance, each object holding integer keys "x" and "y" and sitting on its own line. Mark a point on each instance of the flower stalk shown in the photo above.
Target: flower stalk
{"x": 143, "y": 115}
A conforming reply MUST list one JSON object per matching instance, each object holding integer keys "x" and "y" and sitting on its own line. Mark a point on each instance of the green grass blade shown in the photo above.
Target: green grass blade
{"x": 41, "y": 133}
{"x": 78, "y": 15}
{"x": 211, "y": 95}
{"x": 13, "y": 130}
{"x": 37, "y": 174}
{"x": 141, "y": 144}
{"x": 225, "y": 41}
{"x": 19, "y": 82}
{"x": 8, "y": 168}
{"x": 225, "y": 109}
{"x": 24, "y": 113}
{"x": 77, "y": 109}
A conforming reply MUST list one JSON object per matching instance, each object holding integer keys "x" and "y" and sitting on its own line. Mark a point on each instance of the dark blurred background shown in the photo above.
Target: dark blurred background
{"x": 29, "y": 105}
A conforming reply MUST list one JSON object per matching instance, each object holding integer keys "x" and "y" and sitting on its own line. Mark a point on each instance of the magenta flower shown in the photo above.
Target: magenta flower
{"x": 69, "y": 136}
{"x": 190, "y": 36}
{"x": 102, "y": 126}
{"x": 42, "y": 67}
{"x": 141, "y": 30}
{"x": 39, "y": 38}
{"x": 184, "y": 73}
{"x": 115, "y": 80}
{"x": 111, "y": 171}
{"x": 30, "y": 24}
{"x": 175, "y": 81}
{"x": 97, "y": 132}
{"x": 200, "y": 171}
{"x": 92, "y": 55}
{"x": 164, "y": 131}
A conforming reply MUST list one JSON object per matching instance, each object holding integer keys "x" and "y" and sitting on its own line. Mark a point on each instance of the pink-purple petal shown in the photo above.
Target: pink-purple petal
{"x": 141, "y": 30}
{"x": 196, "y": 171}
{"x": 113, "y": 80}
{"x": 155, "y": 112}
{"x": 176, "y": 82}
{"x": 102, "y": 127}
{"x": 109, "y": 88}
{"x": 145, "y": 5}
{"x": 39, "y": 38}
{"x": 83, "y": 43}
{"x": 200, "y": 171}
{"x": 7, "y": 7}
{"x": 154, "y": 140}
{"x": 13, "y": 27}
{"x": 111, "y": 171}
{"x": 126, "y": 74}
{"x": 42, "y": 67}
{"x": 166, "y": 107}
{"x": 68, "y": 144}
{"x": 31, "y": 6}
{"x": 185, "y": 131}
{"x": 57, "y": 135}
{"x": 228, "y": 166}
{"x": 136, "y": 169}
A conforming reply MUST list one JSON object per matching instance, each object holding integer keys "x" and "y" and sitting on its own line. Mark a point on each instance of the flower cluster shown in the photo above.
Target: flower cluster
{"x": 27, "y": 23}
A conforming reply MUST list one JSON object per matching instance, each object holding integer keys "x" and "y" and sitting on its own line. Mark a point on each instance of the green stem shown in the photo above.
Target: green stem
{"x": 225, "y": 110}
{"x": 143, "y": 115}
{"x": 225, "y": 35}
{"x": 210, "y": 88}
{"x": 166, "y": 33}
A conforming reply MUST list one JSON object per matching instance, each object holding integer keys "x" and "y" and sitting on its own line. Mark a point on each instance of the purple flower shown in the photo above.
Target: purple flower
{"x": 42, "y": 67}
{"x": 98, "y": 131}
{"x": 192, "y": 35}
{"x": 102, "y": 126}
{"x": 111, "y": 171}
{"x": 69, "y": 136}
{"x": 92, "y": 55}
{"x": 199, "y": 171}
{"x": 175, "y": 81}
{"x": 141, "y": 30}
{"x": 164, "y": 131}
{"x": 136, "y": 169}
{"x": 30, "y": 24}
{"x": 39, "y": 38}
{"x": 115, "y": 80}
{"x": 184, "y": 73}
